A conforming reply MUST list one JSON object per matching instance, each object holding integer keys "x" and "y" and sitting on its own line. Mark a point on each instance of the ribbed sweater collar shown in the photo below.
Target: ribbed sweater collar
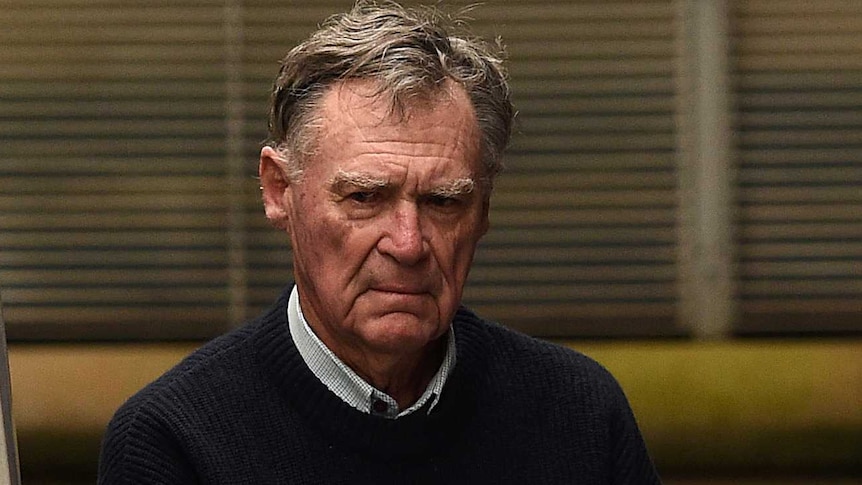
{"x": 420, "y": 436}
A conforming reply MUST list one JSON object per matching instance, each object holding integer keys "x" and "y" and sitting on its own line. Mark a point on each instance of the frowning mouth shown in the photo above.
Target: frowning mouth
{"x": 400, "y": 289}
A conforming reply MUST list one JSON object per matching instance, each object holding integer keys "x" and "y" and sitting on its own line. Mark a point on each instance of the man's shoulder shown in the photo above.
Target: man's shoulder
{"x": 220, "y": 367}
{"x": 147, "y": 432}
{"x": 509, "y": 341}
{"x": 228, "y": 352}
{"x": 224, "y": 377}
{"x": 537, "y": 360}
{"x": 216, "y": 361}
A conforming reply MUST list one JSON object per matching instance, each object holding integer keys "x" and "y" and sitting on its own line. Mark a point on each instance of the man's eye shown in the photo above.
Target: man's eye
{"x": 363, "y": 197}
{"x": 442, "y": 201}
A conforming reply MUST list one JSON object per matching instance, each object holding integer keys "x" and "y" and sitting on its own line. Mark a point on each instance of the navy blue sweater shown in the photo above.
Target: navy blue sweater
{"x": 245, "y": 409}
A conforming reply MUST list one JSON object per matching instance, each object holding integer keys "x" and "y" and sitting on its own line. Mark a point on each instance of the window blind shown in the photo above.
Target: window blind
{"x": 799, "y": 88}
{"x": 583, "y": 222}
{"x": 129, "y": 205}
{"x": 112, "y": 195}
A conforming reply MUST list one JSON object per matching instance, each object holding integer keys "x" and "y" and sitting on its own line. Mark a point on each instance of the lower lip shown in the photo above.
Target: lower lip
{"x": 399, "y": 295}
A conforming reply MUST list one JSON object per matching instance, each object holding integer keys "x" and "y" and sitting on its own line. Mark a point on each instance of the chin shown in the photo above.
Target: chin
{"x": 402, "y": 332}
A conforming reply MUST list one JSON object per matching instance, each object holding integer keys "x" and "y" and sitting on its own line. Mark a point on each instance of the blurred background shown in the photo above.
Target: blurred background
{"x": 683, "y": 202}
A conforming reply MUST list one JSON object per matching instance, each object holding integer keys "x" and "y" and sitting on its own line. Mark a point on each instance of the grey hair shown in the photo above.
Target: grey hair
{"x": 410, "y": 54}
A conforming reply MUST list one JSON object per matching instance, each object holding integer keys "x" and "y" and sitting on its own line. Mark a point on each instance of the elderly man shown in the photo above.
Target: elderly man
{"x": 387, "y": 131}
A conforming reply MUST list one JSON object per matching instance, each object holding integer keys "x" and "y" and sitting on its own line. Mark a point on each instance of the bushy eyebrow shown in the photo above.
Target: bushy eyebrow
{"x": 358, "y": 180}
{"x": 364, "y": 181}
{"x": 455, "y": 188}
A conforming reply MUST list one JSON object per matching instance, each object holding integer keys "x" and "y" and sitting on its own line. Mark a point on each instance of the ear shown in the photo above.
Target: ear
{"x": 273, "y": 184}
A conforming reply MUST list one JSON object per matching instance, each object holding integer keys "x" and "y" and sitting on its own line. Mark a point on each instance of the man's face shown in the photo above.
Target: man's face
{"x": 384, "y": 220}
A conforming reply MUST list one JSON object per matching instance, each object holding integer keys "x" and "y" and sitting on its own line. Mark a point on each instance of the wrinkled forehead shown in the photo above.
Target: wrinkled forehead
{"x": 356, "y": 111}
{"x": 398, "y": 105}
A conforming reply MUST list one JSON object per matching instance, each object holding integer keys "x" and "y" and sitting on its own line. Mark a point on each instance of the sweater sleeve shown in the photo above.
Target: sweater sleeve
{"x": 139, "y": 449}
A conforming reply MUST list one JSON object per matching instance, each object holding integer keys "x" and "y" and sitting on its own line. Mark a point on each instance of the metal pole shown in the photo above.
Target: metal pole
{"x": 706, "y": 250}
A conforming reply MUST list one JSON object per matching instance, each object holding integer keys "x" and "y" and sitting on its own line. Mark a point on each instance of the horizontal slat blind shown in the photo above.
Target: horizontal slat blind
{"x": 583, "y": 221}
{"x": 112, "y": 191}
{"x": 120, "y": 215}
{"x": 130, "y": 135}
{"x": 799, "y": 78}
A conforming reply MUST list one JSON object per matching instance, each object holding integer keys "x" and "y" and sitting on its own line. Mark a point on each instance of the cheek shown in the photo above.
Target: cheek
{"x": 456, "y": 255}
{"x": 321, "y": 245}
{"x": 319, "y": 237}
{"x": 332, "y": 250}
{"x": 464, "y": 260}
{"x": 312, "y": 224}
{"x": 315, "y": 239}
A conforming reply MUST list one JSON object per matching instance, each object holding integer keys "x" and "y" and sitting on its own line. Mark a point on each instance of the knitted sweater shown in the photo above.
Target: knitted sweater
{"x": 245, "y": 409}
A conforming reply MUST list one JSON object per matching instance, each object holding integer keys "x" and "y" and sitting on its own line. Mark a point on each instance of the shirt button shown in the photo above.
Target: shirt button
{"x": 379, "y": 406}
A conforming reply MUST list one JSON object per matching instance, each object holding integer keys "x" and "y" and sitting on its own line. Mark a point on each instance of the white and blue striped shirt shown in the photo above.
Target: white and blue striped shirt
{"x": 345, "y": 383}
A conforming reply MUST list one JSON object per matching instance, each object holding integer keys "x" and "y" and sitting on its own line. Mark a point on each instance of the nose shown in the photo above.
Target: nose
{"x": 403, "y": 239}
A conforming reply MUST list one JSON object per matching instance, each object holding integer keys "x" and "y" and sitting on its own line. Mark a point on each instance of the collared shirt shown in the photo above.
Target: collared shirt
{"x": 345, "y": 383}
